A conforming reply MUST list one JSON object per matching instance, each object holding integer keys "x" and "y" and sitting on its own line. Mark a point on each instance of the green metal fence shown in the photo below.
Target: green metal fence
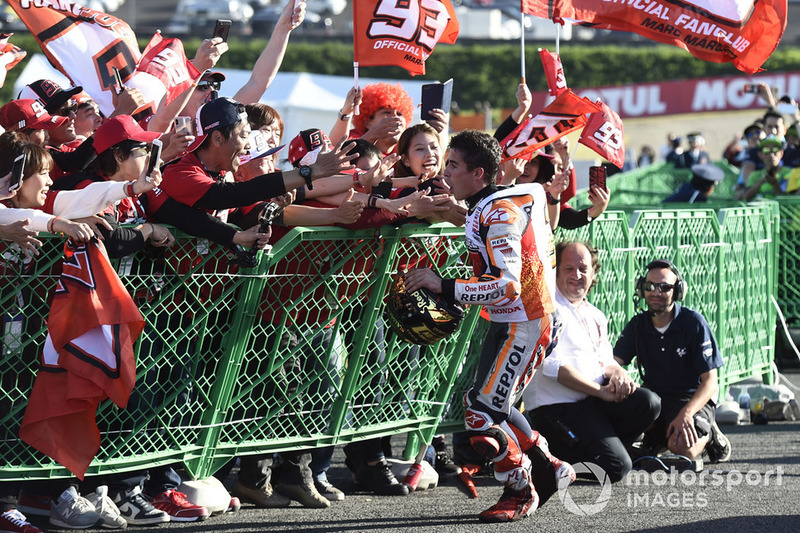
{"x": 294, "y": 353}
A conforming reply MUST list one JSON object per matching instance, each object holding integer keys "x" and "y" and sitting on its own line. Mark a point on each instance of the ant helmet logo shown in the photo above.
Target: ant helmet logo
{"x": 586, "y": 509}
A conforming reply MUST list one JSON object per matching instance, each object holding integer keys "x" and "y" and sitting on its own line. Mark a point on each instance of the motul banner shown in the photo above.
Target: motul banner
{"x": 387, "y": 32}
{"x": 700, "y": 95}
{"x": 742, "y": 32}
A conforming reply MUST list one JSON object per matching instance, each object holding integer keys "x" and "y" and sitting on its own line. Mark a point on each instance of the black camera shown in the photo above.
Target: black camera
{"x": 247, "y": 258}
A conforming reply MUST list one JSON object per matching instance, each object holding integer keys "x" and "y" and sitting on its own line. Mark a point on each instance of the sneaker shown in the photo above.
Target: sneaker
{"x": 513, "y": 505}
{"x": 444, "y": 464}
{"x": 718, "y": 447}
{"x": 234, "y": 505}
{"x": 328, "y": 491}
{"x": 264, "y": 497}
{"x": 179, "y": 509}
{"x": 108, "y": 512}
{"x": 13, "y": 521}
{"x": 379, "y": 479}
{"x": 305, "y": 493}
{"x": 33, "y": 504}
{"x": 72, "y": 511}
{"x": 136, "y": 510}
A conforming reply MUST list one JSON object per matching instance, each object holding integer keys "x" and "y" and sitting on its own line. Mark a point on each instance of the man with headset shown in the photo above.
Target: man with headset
{"x": 678, "y": 358}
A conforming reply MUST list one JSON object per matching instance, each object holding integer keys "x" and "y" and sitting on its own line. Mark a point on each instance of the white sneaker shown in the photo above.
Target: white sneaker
{"x": 72, "y": 511}
{"x": 106, "y": 509}
{"x": 136, "y": 510}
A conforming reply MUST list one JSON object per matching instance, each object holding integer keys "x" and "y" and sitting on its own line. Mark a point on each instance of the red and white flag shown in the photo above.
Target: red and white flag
{"x": 604, "y": 134}
{"x": 164, "y": 70}
{"x": 742, "y": 32}
{"x": 553, "y": 72}
{"x": 82, "y": 43}
{"x": 10, "y": 55}
{"x": 88, "y": 357}
{"x": 567, "y": 113}
{"x": 388, "y": 32}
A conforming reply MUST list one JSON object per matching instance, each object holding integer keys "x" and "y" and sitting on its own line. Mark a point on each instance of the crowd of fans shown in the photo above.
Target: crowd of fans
{"x": 85, "y": 177}
{"x": 766, "y": 155}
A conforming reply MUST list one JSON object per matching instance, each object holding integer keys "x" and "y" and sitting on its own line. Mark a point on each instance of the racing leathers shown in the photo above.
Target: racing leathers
{"x": 513, "y": 258}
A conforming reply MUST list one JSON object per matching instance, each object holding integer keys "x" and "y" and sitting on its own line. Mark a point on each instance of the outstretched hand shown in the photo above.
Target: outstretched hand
{"x": 334, "y": 162}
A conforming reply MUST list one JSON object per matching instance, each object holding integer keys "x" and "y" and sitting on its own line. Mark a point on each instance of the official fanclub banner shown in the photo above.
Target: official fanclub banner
{"x": 700, "y": 95}
{"x": 387, "y": 32}
{"x": 742, "y": 32}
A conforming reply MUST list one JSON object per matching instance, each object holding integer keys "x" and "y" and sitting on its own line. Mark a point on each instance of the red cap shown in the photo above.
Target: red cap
{"x": 120, "y": 128}
{"x": 308, "y": 141}
{"x": 28, "y": 114}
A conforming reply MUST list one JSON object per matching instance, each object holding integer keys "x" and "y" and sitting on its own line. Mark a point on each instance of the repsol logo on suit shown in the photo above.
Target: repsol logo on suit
{"x": 506, "y": 379}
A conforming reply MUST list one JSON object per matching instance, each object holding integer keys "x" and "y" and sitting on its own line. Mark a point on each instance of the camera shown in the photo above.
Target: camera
{"x": 247, "y": 258}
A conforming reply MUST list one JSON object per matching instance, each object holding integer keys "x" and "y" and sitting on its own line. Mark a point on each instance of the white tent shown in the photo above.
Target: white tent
{"x": 303, "y": 100}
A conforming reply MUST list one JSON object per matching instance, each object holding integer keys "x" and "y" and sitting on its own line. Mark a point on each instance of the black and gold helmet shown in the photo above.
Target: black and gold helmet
{"x": 421, "y": 317}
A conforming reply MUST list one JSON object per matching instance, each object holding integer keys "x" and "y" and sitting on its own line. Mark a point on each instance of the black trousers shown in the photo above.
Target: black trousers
{"x": 595, "y": 431}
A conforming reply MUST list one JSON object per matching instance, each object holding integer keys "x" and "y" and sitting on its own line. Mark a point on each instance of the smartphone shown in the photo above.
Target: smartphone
{"x": 117, "y": 79}
{"x": 16, "y": 173}
{"x": 183, "y": 125}
{"x": 155, "y": 155}
{"x": 221, "y": 29}
{"x": 597, "y": 177}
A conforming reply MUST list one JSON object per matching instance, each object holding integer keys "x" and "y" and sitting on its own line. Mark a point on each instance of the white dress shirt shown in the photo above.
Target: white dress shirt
{"x": 583, "y": 344}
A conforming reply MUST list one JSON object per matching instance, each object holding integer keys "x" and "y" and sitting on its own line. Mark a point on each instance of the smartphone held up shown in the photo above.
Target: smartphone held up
{"x": 597, "y": 177}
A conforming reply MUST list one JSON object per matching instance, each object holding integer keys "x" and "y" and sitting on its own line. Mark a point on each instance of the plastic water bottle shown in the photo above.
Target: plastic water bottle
{"x": 744, "y": 406}
{"x": 744, "y": 399}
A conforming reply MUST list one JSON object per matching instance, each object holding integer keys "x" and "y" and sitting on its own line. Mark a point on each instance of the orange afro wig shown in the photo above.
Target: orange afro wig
{"x": 377, "y": 96}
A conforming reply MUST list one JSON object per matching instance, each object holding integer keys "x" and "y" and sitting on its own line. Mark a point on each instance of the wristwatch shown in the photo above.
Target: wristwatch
{"x": 305, "y": 173}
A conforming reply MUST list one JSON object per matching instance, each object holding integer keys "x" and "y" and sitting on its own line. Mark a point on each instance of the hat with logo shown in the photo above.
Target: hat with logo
{"x": 258, "y": 147}
{"x": 28, "y": 114}
{"x": 214, "y": 115}
{"x": 307, "y": 145}
{"x": 772, "y": 140}
{"x": 50, "y": 93}
{"x": 82, "y": 98}
{"x": 120, "y": 128}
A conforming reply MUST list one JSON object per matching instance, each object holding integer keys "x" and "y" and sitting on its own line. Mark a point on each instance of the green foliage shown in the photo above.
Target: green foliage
{"x": 484, "y": 71}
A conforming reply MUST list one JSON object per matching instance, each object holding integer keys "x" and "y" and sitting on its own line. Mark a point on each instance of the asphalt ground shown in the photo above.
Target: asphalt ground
{"x": 757, "y": 490}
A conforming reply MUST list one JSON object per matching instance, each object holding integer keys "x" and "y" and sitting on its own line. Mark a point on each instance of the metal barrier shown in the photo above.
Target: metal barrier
{"x": 294, "y": 353}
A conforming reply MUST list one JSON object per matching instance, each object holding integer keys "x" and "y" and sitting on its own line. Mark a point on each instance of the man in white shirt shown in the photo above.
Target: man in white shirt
{"x": 581, "y": 400}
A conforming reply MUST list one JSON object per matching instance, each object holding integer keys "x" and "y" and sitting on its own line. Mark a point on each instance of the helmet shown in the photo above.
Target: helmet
{"x": 421, "y": 317}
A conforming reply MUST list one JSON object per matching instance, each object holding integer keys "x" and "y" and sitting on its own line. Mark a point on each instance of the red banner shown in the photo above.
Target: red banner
{"x": 701, "y": 95}
{"x": 165, "y": 60}
{"x": 87, "y": 357}
{"x": 553, "y": 72}
{"x": 742, "y": 32}
{"x": 566, "y": 114}
{"x": 82, "y": 43}
{"x": 604, "y": 134}
{"x": 10, "y": 55}
{"x": 387, "y": 32}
